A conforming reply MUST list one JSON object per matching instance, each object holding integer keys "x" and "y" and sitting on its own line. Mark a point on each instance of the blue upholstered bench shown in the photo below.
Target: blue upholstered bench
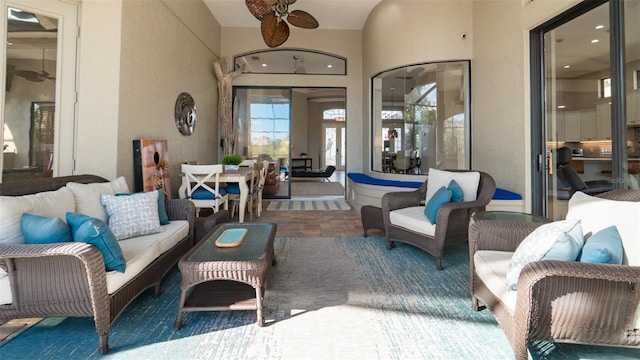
{"x": 367, "y": 190}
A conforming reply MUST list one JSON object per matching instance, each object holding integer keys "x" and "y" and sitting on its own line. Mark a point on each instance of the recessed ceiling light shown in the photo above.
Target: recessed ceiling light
{"x": 561, "y": 106}
{"x": 594, "y": 41}
{"x": 567, "y": 66}
{"x": 264, "y": 65}
{"x": 598, "y": 27}
{"x": 329, "y": 66}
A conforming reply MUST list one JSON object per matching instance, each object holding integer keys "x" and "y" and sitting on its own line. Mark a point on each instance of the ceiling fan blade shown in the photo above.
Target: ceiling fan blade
{"x": 274, "y": 31}
{"x": 29, "y": 75}
{"x": 258, "y": 8}
{"x": 302, "y": 19}
{"x": 289, "y": 2}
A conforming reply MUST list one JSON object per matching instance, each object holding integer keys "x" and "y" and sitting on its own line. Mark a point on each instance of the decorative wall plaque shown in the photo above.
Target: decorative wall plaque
{"x": 185, "y": 114}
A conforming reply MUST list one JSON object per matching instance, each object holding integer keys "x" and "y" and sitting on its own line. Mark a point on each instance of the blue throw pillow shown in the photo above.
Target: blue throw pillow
{"x": 441, "y": 197}
{"x": 457, "y": 195}
{"x": 162, "y": 209}
{"x": 95, "y": 232}
{"x": 204, "y": 194}
{"x": 44, "y": 230}
{"x": 603, "y": 247}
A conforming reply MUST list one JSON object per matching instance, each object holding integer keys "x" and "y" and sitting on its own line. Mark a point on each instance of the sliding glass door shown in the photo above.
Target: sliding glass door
{"x": 263, "y": 133}
{"x": 588, "y": 104}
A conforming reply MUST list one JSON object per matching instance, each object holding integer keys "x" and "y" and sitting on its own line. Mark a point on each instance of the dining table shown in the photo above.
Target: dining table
{"x": 241, "y": 176}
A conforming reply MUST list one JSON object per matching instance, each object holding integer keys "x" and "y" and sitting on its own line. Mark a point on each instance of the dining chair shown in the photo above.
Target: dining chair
{"x": 202, "y": 186}
{"x": 256, "y": 194}
{"x": 233, "y": 191}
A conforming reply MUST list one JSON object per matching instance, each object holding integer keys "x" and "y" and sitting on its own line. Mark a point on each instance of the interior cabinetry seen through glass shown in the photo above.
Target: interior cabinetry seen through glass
{"x": 421, "y": 118}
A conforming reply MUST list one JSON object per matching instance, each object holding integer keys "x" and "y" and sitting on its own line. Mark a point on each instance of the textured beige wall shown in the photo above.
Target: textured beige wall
{"x": 150, "y": 51}
{"x": 99, "y": 83}
{"x": 501, "y": 121}
{"x": 345, "y": 43}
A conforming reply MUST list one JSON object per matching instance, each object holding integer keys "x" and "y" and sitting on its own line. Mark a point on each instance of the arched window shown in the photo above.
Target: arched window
{"x": 334, "y": 115}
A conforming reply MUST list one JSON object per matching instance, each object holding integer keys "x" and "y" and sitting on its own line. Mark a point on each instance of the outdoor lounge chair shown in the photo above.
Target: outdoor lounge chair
{"x": 324, "y": 175}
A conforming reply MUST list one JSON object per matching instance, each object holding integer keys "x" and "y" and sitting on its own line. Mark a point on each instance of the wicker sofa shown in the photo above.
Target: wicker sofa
{"x": 69, "y": 278}
{"x": 562, "y": 301}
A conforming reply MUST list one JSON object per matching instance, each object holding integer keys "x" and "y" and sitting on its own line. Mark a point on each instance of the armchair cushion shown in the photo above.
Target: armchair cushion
{"x": 412, "y": 218}
{"x": 559, "y": 240}
{"x": 133, "y": 215}
{"x": 468, "y": 181}
{"x": 44, "y": 230}
{"x": 604, "y": 247}
{"x": 598, "y": 213}
{"x": 441, "y": 197}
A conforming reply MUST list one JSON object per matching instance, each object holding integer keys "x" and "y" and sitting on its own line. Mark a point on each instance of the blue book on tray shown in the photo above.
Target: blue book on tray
{"x": 231, "y": 237}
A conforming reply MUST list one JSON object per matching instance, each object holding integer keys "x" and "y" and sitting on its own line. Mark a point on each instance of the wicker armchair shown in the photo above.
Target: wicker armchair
{"x": 558, "y": 301}
{"x": 452, "y": 221}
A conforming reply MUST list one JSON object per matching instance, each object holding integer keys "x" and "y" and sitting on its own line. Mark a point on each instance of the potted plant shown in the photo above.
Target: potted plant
{"x": 231, "y": 162}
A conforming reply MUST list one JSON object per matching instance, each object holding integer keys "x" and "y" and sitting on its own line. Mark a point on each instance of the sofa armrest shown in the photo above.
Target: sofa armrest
{"x": 401, "y": 199}
{"x": 206, "y": 224}
{"x": 498, "y": 235}
{"x": 576, "y": 295}
{"x": 59, "y": 273}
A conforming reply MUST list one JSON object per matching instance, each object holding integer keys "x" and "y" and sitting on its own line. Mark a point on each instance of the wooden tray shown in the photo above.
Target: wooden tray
{"x": 231, "y": 238}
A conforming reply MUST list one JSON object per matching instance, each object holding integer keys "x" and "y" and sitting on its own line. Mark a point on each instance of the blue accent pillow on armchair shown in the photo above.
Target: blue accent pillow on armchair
{"x": 44, "y": 230}
{"x": 603, "y": 247}
{"x": 441, "y": 197}
{"x": 457, "y": 195}
{"x": 95, "y": 232}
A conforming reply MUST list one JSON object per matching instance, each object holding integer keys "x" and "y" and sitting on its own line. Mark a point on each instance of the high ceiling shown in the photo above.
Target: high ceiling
{"x": 331, "y": 14}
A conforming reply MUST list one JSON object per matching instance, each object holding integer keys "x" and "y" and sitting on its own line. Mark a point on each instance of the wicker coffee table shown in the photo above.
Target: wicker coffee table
{"x": 227, "y": 278}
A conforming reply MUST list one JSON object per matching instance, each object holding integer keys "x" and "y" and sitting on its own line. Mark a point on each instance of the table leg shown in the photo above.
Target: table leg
{"x": 259, "y": 314}
{"x": 178, "y": 323}
{"x": 244, "y": 194}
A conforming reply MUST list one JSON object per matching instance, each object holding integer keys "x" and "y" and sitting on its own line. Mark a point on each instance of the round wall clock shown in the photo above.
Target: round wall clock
{"x": 185, "y": 114}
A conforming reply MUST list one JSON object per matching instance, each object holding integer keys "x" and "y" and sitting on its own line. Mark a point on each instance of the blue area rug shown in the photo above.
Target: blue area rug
{"x": 327, "y": 298}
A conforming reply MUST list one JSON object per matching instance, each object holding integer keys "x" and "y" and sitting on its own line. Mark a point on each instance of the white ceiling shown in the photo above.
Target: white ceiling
{"x": 331, "y": 14}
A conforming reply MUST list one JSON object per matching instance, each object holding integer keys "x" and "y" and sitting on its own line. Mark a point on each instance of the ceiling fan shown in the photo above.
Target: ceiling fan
{"x": 35, "y": 76}
{"x": 273, "y": 13}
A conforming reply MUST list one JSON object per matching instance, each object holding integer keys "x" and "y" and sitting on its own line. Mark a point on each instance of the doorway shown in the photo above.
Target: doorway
{"x": 39, "y": 78}
{"x": 333, "y": 145}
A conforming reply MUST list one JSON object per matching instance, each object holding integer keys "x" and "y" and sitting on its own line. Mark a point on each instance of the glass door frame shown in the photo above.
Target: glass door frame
{"x": 341, "y": 142}
{"x": 539, "y": 159}
{"x": 283, "y": 178}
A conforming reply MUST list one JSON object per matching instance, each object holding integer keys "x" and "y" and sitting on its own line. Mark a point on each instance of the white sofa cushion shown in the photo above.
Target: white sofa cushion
{"x": 468, "y": 181}
{"x": 5, "y": 289}
{"x": 412, "y": 218}
{"x": 597, "y": 214}
{"x": 141, "y": 251}
{"x": 87, "y": 196}
{"x": 48, "y": 203}
{"x": 491, "y": 267}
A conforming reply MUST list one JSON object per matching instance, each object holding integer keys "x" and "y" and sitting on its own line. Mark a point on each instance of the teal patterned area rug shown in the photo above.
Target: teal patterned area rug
{"x": 327, "y": 298}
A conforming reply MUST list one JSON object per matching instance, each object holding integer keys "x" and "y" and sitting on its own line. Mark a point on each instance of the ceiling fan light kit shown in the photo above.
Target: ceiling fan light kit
{"x": 273, "y": 15}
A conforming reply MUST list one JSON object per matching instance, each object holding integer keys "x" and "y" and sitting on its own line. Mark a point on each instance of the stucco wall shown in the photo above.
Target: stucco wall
{"x": 130, "y": 83}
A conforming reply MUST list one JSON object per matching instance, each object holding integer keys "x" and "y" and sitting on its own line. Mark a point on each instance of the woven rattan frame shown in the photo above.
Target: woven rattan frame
{"x": 69, "y": 279}
{"x": 559, "y": 301}
{"x": 452, "y": 221}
